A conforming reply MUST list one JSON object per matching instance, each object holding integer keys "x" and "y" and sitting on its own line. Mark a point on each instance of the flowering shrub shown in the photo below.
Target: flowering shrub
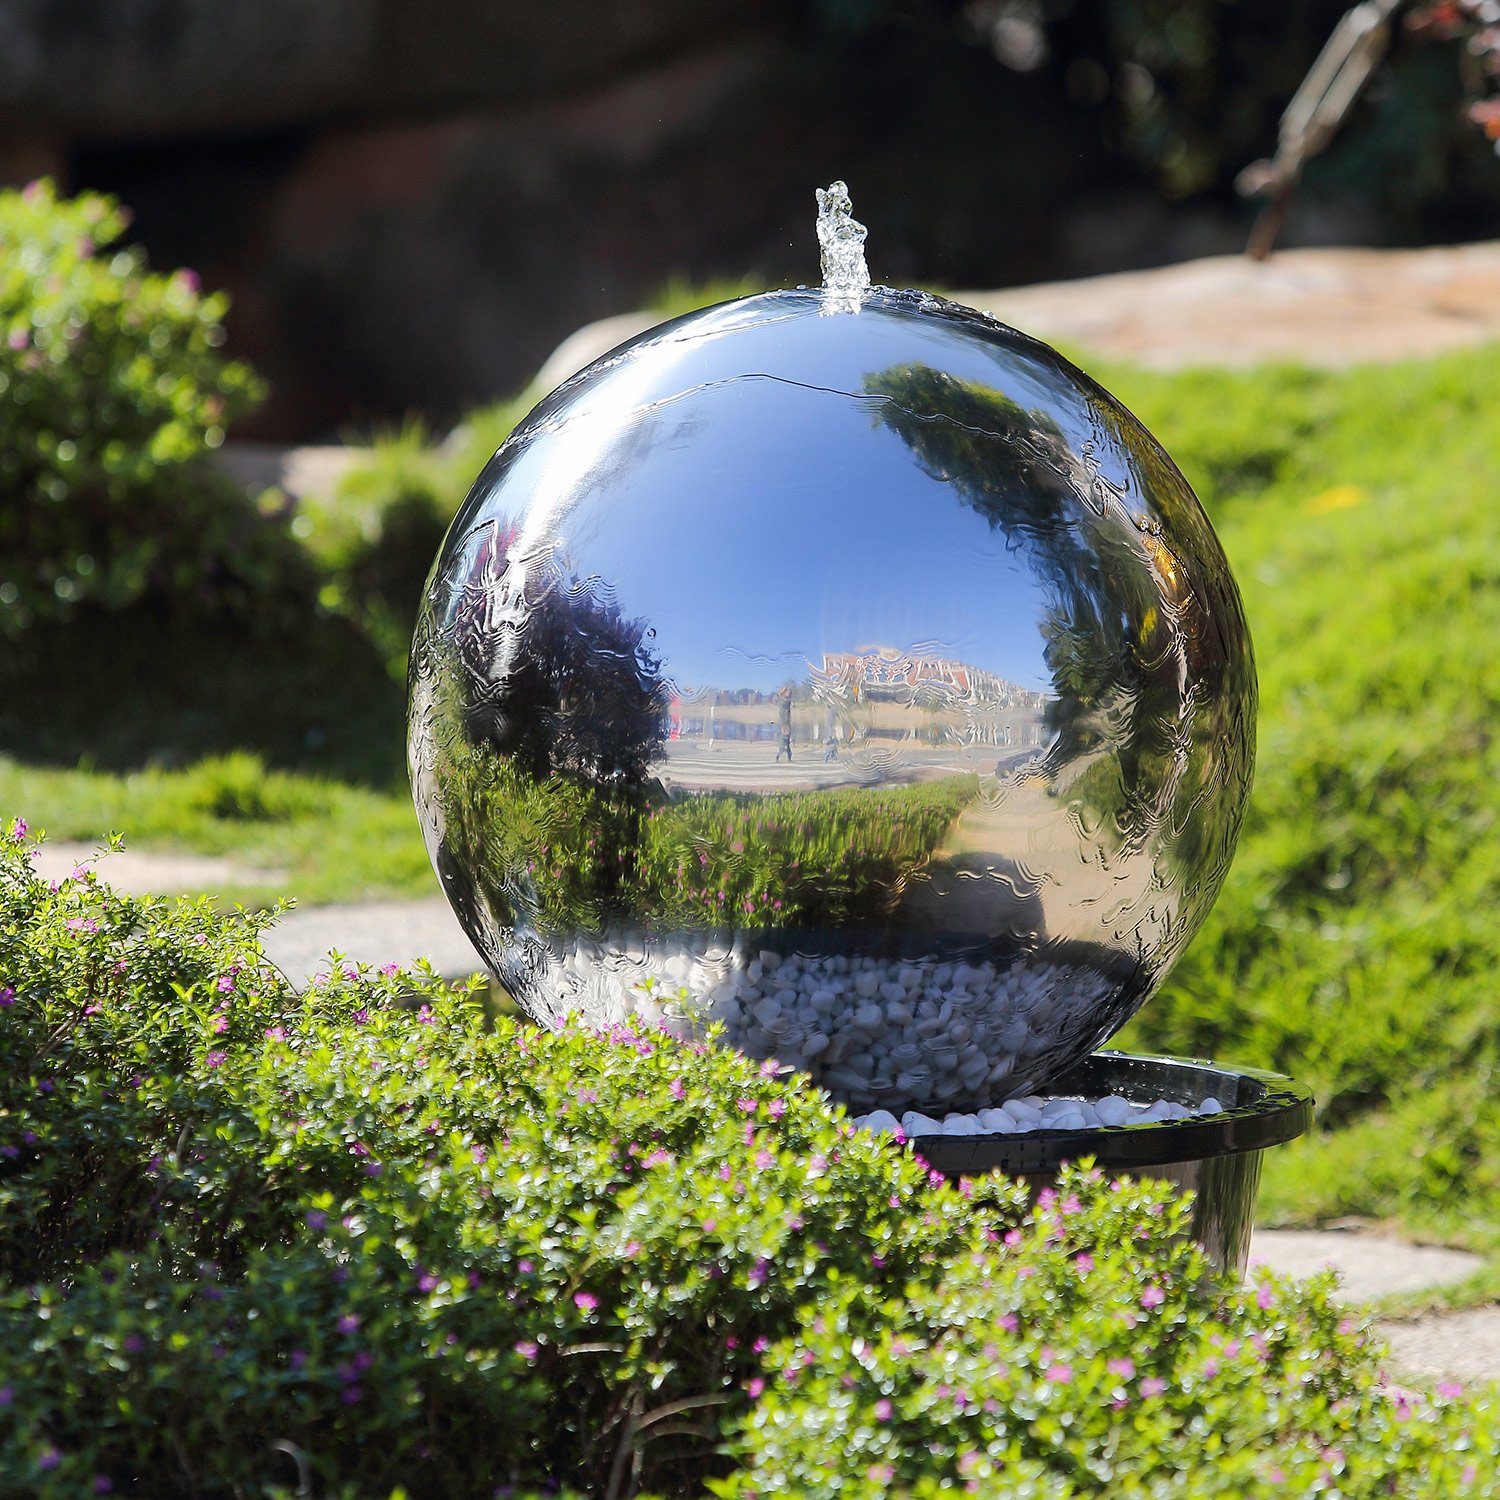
{"x": 358, "y": 1241}
{"x": 115, "y": 390}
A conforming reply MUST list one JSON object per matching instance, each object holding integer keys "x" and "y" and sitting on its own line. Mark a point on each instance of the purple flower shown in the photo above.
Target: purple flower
{"x": 215, "y": 1059}
{"x": 585, "y": 1301}
{"x": 19, "y": 829}
{"x": 103, "y": 1484}
{"x": 1151, "y": 1386}
{"x": 349, "y": 1323}
{"x": 1059, "y": 1373}
{"x": 1122, "y": 1368}
{"x": 389, "y": 969}
{"x": 527, "y": 1350}
{"x": 351, "y": 1393}
{"x": 755, "y": 1386}
{"x": 1153, "y": 1296}
{"x": 676, "y": 1088}
{"x": 1265, "y": 1298}
{"x": 1450, "y": 1389}
{"x": 316, "y": 1218}
{"x": 226, "y": 982}
{"x": 7, "y": 995}
{"x": 882, "y": 1411}
{"x": 134, "y": 1343}
{"x": 7, "y": 1395}
{"x": 427, "y": 1282}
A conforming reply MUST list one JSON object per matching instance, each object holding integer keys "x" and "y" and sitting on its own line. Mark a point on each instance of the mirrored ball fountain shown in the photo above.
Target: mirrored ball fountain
{"x": 847, "y": 669}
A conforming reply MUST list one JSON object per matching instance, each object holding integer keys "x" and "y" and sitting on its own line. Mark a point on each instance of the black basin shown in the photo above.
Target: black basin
{"x": 1217, "y": 1156}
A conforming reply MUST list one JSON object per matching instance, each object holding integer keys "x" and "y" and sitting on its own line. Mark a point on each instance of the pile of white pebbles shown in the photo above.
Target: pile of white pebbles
{"x": 887, "y": 1034}
{"x": 1021, "y": 1116}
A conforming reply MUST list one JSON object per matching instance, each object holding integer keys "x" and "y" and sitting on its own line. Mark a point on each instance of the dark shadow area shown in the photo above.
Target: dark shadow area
{"x": 115, "y": 691}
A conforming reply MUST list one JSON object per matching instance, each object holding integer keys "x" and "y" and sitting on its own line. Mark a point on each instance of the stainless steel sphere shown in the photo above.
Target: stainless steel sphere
{"x": 867, "y": 681}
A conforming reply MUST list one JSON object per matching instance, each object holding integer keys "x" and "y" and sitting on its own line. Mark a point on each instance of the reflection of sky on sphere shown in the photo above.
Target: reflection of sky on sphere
{"x": 817, "y": 531}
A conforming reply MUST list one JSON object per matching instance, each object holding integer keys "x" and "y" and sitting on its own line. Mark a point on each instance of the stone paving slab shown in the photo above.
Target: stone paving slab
{"x": 1369, "y": 1265}
{"x": 140, "y": 872}
{"x": 376, "y": 932}
{"x": 1462, "y": 1346}
{"x": 1459, "y": 1346}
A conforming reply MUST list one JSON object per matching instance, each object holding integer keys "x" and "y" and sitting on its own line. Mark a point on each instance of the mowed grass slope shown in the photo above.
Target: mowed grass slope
{"x": 1358, "y": 938}
{"x": 1357, "y": 941}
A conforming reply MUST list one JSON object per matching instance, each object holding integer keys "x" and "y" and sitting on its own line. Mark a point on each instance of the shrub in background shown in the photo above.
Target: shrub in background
{"x": 358, "y": 1231}
{"x": 115, "y": 391}
{"x": 375, "y": 536}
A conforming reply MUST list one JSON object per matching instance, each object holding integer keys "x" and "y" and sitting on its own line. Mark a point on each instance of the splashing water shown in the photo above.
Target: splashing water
{"x": 841, "y": 238}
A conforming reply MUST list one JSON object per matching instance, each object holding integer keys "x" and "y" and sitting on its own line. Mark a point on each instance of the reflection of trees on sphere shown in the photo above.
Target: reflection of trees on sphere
{"x": 1121, "y": 641}
{"x": 558, "y": 679}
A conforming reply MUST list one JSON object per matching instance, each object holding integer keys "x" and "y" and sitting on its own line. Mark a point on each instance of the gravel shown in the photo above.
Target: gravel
{"x": 1037, "y": 1112}
{"x": 893, "y": 1034}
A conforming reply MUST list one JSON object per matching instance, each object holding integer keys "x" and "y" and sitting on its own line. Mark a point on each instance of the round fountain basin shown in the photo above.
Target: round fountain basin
{"x": 1217, "y": 1156}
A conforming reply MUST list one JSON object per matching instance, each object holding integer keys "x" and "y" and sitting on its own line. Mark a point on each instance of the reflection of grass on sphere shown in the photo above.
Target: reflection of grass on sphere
{"x": 825, "y": 858}
{"x": 564, "y": 856}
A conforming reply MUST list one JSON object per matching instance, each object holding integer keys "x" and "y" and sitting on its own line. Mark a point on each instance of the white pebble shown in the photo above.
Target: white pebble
{"x": 1112, "y": 1110}
{"x": 1210, "y": 1106}
{"x": 881, "y": 1121}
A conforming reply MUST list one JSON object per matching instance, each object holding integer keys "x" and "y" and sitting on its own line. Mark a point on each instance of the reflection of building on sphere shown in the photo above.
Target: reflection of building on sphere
{"x": 869, "y": 682}
{"x": 881, "y": 695}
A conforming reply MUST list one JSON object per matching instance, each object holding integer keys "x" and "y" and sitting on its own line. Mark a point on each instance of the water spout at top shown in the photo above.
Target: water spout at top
{"x": 841, "y": 238}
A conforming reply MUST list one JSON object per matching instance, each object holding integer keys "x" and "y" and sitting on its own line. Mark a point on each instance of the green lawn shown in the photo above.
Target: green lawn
{"x": 1356, "y": 942}
{"x": 1357, "y": 939}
